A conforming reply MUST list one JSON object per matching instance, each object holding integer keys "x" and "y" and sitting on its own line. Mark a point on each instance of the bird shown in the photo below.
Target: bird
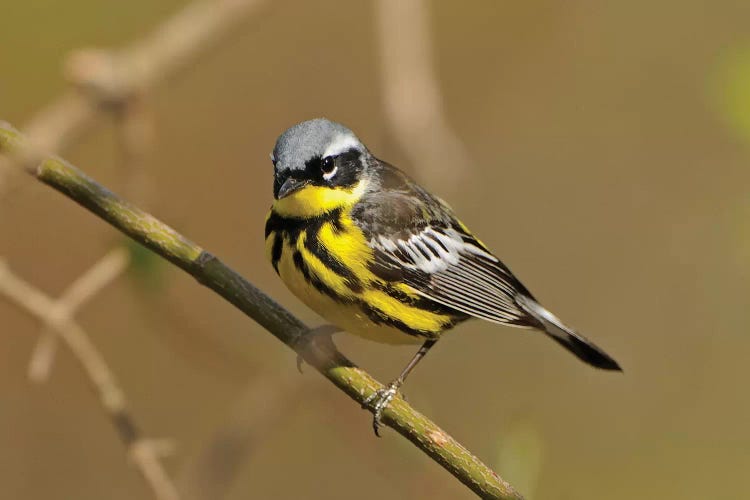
{"x": 379, "y": 256}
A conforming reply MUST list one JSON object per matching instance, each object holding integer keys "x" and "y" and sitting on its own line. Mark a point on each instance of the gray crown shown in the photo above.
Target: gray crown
{"x": 312, "y": 138}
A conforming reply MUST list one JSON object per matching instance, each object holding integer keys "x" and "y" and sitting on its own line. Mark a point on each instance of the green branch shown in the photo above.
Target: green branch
{"x": 213, "y": 273}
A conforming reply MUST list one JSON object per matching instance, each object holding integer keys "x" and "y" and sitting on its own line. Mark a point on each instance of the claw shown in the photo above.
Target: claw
{"x": 381, "y": 398}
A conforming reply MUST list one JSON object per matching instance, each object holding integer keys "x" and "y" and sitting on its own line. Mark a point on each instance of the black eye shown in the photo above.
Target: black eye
{"x": 327, "y": 165}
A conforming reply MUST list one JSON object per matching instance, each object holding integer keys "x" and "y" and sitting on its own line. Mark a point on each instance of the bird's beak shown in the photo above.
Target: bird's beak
{"x": 291, "y": 185}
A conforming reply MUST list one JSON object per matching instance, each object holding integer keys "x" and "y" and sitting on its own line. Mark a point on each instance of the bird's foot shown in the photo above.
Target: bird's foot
{"x": 321, "y": 332}
{"x": 380, "y": 400}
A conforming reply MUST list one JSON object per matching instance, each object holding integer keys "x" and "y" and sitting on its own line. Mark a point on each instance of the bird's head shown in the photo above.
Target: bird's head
{"x": 318, "y": 167}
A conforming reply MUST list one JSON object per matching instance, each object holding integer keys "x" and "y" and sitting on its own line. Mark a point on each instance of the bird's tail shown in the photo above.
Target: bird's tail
{"x": 579, "y": 345}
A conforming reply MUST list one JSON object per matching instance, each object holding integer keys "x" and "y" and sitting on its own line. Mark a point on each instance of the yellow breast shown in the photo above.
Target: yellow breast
{"x": 325, "y": 263}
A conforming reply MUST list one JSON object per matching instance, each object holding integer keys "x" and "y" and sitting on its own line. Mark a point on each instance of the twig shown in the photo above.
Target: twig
{"x": 411, "y": 95}
{"x": 142, "y": 451}
{"x": 211, "y": 272}
{"x": 83, "y": 289}
{"x": 165, "y": 51}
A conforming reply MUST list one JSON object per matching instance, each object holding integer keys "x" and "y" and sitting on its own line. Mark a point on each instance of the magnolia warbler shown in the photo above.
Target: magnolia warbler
{"x": 378, "y": 256}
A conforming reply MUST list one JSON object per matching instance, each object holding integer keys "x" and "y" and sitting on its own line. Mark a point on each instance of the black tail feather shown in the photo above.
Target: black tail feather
{"x": 579, "y": 345}
{"x": 586, "y": 351}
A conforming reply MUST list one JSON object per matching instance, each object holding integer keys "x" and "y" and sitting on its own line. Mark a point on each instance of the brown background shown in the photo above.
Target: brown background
{"x": 610, "y": 154}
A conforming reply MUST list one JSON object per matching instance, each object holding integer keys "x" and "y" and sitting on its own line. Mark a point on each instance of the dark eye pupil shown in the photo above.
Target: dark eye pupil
{"x": 327, "y": 164}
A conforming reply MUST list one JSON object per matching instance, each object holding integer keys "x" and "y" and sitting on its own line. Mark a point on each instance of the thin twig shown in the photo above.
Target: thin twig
{"x": 78, "y": 293}
{"x": 144, "y": 454}
{"x": 411, "y": 94}
{"x": 211, "y": 272}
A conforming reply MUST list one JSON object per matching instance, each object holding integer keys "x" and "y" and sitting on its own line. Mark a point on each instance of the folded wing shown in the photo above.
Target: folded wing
{"x": 450, "y": 267}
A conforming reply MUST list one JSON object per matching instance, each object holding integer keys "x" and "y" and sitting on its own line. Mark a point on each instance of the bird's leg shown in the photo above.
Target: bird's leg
{"x": 382, "y": 397}
{"x": 323, "y": 331}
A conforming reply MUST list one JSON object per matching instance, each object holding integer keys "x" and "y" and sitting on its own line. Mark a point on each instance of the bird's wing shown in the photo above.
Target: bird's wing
{"x": 417, "y": 241}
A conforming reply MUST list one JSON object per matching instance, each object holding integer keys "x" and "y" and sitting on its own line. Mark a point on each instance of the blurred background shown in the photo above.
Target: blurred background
{"x": 600, "y": 148}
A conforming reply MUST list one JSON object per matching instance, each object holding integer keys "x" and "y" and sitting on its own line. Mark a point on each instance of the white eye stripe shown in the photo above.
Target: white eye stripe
{"x": 328, "y": 175}
{"x": 342, "y": 144}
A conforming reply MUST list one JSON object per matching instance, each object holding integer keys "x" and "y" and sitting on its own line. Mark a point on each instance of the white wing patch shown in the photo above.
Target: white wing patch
{"x": 430, "y": 251}
{"x": 454, "y": 272}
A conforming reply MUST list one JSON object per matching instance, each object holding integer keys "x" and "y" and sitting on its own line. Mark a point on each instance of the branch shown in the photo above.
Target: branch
{"x": 211, "y": 272}
{"x": 144, "y": 452}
